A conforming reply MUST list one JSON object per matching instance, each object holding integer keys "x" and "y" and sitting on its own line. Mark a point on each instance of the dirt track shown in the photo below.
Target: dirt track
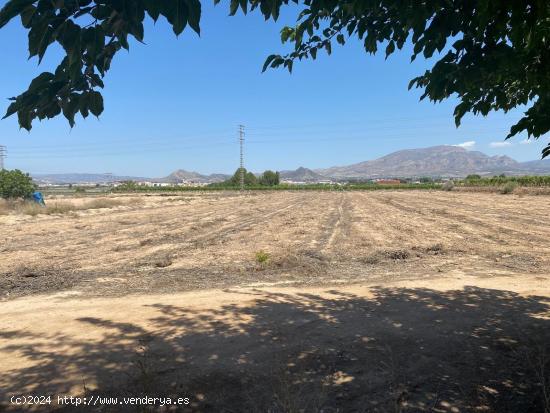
{"x": 198, "y": 241}
{"x": 370, "y": 302}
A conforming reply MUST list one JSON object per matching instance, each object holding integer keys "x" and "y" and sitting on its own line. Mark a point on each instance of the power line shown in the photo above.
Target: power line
{"x": 241, "y": 142}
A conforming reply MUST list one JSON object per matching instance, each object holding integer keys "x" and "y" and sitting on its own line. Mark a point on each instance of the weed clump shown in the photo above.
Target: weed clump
{"x": 397, "y": 254}
{"x": 435, "y": 249}
{"x": 262, "y": 257}
{"x": 383, "y": 255}
{"x": 508, "y": 188}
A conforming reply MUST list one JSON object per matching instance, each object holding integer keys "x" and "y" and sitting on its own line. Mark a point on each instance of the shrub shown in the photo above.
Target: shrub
{"x": 15, "y": 184}
{"x": 262, "y": 257}
{"x": 508, "y": 188}
{"x": 269, "y": 178}
{"x": 448, "y": 186}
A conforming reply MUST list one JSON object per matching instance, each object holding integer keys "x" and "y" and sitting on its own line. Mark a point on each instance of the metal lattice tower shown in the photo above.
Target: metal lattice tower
{"x": 241, "y": 141}
{"x": 3, "y": 154}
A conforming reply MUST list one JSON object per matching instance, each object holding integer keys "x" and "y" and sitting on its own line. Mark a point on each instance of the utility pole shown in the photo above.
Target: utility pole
{"x": 241, "y": 141}
{"x": 3, "y": 154}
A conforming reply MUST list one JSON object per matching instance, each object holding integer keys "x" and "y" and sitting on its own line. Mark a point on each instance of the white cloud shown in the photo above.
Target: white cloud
{"x": 466, "y": 145}
{"x": 501, "y": 144}
{"x": 526, "y": 142}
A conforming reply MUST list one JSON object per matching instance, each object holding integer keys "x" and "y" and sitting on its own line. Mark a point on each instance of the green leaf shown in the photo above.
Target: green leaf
{"x": 390, "y": 48}
{"x": 37, "y": 35}
{"x": 27, "y": 15}
{"x": 11, "y": 9}
{"x": 233, "y": 7}
{"x": 70, "y": 107}
{"x": 194, "y": 9}
{"x": 313, "y": 52}
{"x": 95, "y": 103}
{"x": 179, "y": 16}
{"x": 40, "y": 81}
{"x": 153, "y": 9}
{"x": 12, "y": 108}
{"x": 25, "y": 120}
{"x": 268, "y": 61}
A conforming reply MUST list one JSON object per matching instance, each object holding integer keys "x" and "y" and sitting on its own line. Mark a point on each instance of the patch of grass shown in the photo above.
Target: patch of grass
{"x": 397, "y": 254}
{"x": 54, "y": 207}
{"x": 378, "y": 256}
{"x": 435, "y": 248}
{"x": 508, "y": 188}
{"x": 262, "y": 257}
{"x": 29, "y": 208}
{"x": 102, "y": 203}
{"x": 33, "y": 209}
{"x": 307, "y": 262}
{"x": 5, "y": 207}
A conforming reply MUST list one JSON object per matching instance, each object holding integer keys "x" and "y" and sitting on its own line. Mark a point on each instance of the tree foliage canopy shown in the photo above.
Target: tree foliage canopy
{"x": 269, "y": 178}
{"x": 249, "y": 178}
{"x": 15, "y": 184}
{"x": 493, "y": 54}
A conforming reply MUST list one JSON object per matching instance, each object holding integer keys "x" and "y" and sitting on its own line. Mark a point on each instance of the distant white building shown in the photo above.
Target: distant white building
{"x": 153, "y": 184}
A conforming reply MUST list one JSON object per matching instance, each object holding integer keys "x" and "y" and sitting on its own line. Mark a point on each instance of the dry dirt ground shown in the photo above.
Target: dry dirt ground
{"x": 368, "y": 301}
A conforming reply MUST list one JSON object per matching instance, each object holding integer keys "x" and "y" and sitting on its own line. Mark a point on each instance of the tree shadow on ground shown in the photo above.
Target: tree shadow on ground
{"x": 400, "y": 350}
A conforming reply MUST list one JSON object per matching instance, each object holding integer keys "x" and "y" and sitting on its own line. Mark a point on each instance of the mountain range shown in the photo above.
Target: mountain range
{"x": 182, "y": 175}
{"x": 79, "y": 178}
{"x": 435, "y": 161}
{"x": 302, "y": 175}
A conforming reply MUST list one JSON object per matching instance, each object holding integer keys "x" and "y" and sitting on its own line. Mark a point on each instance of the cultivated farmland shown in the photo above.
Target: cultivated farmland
{"x": 358, "y": 301}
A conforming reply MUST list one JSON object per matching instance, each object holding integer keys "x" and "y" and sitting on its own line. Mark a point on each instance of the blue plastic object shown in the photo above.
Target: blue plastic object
{"x": 38, "y": 198}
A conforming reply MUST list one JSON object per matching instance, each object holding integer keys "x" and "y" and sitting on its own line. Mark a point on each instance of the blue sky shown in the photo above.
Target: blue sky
{"x": 176, "y": 103}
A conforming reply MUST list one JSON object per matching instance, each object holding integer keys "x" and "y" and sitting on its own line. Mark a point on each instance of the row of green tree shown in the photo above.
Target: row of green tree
{"x": 525, "y": 180}
{"x": 268, "y": 178}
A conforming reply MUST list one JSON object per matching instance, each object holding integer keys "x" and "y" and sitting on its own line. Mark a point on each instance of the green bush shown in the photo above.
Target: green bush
{"x": 508, "y": 188}
{"x": 249, "y": 178}
{"x": 269, "y": 178}
{"x": 497, "y": 181}
{"x": 15, "y": 184}
{"x": 262, "y": 257}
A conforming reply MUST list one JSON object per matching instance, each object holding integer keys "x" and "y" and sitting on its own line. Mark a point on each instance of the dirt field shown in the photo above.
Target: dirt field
{"x": 365, "y": 301}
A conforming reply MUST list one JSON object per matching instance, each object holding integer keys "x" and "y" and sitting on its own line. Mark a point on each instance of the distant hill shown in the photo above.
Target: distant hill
{"x": 445, "y": 161}
{"x": 541, "y": 166}
{"x": 302, "y": 175}
{"x": 182, "y": 175}
{"x": 435, "y": 161}
{"x": 82, "y": 178}
{"x": 89, "y": 178}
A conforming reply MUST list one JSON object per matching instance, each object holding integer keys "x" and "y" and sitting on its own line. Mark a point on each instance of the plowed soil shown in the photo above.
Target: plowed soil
{"x": 366, "y": 301}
